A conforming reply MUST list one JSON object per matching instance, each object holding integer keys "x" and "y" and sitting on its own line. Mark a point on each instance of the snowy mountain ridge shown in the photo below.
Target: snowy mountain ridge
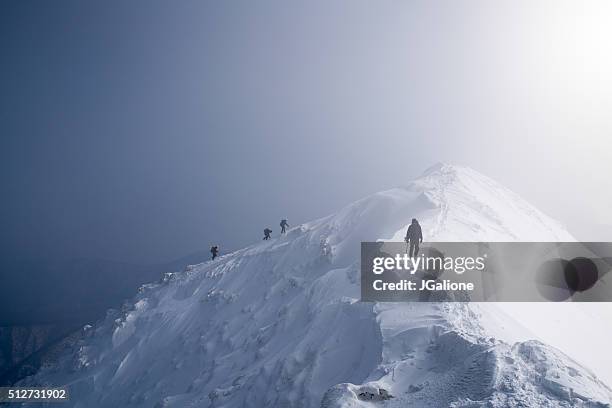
{"x": 279, "y": 324}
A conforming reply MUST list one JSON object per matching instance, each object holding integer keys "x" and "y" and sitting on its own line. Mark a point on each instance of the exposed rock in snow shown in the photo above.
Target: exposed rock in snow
{"x": 279, "y": 323}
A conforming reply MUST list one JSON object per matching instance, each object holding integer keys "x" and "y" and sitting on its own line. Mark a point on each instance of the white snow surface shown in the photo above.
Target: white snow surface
{"x": 279, "y": 324}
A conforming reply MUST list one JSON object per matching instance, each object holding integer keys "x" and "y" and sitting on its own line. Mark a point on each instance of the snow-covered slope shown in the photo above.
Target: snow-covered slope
{"x": 278, "y": 324}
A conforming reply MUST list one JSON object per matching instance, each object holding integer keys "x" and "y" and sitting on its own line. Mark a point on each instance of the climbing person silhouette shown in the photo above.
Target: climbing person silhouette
{"x": 214, "y": 250}
{"x": 414, "y": 236}
{"x": 267, "y": 233}
{"x": 284, "y": 224}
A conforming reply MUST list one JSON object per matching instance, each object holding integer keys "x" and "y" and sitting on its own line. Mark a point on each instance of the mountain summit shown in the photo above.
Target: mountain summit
{"x": 279, "y": 324}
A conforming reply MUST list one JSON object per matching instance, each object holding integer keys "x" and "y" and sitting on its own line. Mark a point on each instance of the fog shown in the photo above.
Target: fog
{"x": 143, "y": 131}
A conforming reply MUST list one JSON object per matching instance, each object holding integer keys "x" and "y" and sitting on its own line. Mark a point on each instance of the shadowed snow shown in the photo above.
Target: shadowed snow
{"x": 279, "y": 323}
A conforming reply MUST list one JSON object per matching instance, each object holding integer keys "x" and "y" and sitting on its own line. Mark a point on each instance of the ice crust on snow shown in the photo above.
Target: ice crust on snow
{"x": 279, "y": 324}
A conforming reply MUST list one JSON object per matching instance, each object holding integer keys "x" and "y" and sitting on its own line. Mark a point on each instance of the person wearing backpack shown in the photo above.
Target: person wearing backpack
{"x": 414, "y": 236}
{"x": 214, "y": 250}
{"x": 267, "y": 233}
{"x": 283, "y": 224}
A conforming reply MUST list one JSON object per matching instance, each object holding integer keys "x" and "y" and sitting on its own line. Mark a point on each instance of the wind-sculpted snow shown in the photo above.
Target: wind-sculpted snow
{"x": 468, "y": 206}
{"x": 432, "y": 363}
{"x": 279, "y": 324}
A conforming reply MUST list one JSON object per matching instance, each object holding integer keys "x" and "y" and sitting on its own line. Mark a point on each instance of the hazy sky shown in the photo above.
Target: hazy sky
{"x": 146, "y": 130}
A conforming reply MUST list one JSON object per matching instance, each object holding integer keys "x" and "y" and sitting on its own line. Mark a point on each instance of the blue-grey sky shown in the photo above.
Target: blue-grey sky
{"x": 145, "y": 130}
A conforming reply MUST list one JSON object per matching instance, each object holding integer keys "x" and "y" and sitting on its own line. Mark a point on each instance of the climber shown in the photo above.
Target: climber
{"x": 414, "y": 236}
{"x": 267, "y": 233}
{"x": 283, "y": 224}
{"x": 214, "y": 250}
